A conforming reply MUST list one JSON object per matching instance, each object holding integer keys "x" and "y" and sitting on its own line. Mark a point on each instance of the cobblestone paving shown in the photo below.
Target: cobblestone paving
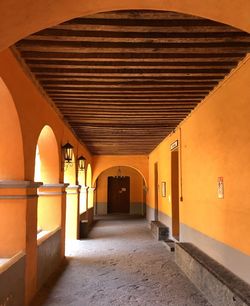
{"x": 120, "y": 264}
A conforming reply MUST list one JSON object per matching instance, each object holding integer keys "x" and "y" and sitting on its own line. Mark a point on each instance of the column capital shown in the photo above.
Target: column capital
{"x": 73, "y": 187}
{"x": 52, "y": 189}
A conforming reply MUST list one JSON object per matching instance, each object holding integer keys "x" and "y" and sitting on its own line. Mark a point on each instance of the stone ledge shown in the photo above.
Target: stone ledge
{"x": 84, "y": 229}
{"x": 169, "y": 245}
{"x": 219, "y": 285}
{"x": 159, "y": 230}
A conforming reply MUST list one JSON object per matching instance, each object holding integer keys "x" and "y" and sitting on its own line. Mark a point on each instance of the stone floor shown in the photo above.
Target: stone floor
{"x": 120, "y": 264}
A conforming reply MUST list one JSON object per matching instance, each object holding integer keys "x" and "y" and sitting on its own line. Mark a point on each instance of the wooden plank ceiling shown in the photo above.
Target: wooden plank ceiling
{"x": 124, "y": 80}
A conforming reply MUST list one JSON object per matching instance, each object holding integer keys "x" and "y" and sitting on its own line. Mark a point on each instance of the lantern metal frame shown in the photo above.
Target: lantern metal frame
{"x": 81, "y": 163}
{"x": 67, "y": 152}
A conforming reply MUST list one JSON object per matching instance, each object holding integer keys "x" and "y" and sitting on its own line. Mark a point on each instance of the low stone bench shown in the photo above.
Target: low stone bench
{"x": 84, "y": 229}
{"x": 159, "y": 230}
{"x": 218, "y": 284}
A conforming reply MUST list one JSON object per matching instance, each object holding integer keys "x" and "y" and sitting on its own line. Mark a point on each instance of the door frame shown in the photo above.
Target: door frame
{"x": 110, "y": 191}
{"x": 156, "y": 190}
{"x": 175, "y": 194}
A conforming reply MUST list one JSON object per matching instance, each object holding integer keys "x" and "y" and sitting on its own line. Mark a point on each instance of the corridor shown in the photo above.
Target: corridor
{"x": 120, "y": 264}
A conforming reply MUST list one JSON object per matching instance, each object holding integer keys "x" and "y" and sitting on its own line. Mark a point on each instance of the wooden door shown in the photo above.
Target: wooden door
{"x": 118, "y": 194}
{"x": 175, "y": 194}
{"x": 156, "y": 190}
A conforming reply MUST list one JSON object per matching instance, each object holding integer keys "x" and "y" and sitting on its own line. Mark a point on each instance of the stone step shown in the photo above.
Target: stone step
{"x": 159, "y": 230}
{"x": 169, "y": 244}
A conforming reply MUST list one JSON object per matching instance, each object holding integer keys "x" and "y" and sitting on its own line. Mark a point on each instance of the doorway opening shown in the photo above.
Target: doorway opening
{"x": 175, "y": 194}
{"x": 118, "y": 195}
{"x": 156, "y": 217}
{"x": 120, "y": 184}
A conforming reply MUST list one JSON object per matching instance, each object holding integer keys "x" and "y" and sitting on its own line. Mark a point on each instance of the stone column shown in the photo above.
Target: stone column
{"x": 83, "y": 202}
{"x": 72, "y": 211}
{"x": 91, "y": 204}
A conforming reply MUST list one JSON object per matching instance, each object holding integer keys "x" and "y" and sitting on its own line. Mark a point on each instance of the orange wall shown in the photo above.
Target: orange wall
{"x": 21, "y": 18}
{"x": 12, "y": 241}
{"x": 215, "y": 141}
{"x": 136, "y": 185}
{"x": 34, "y": 113}
{"x": 21, "y": 128}
{"x": 11, "y": 153}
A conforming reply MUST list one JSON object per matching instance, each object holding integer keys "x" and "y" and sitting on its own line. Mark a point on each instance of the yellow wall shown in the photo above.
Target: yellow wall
{"x": 215, "y": 142}
{"x": 49, "y": 212}
{"x": 136, "y": 189}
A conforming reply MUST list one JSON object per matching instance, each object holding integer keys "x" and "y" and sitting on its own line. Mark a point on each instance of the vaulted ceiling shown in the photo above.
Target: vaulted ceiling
{"x": 124, "y": 80}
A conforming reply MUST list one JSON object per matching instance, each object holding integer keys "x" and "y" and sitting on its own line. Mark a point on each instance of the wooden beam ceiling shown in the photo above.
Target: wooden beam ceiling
{"x": 124, "y": 80}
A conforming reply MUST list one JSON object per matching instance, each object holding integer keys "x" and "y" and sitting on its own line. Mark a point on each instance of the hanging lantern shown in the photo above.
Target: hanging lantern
{"x": 67, "y": 152}
{"x": 81, "y": 163}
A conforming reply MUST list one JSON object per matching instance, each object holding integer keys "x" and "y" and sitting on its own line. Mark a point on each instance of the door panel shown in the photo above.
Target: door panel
{"x": 175, "y": 194}
{"x": 118, "y": 194}
{"x": 156, "y": 190}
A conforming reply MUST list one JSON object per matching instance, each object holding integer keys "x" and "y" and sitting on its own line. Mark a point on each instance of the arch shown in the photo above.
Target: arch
{"x": 32, "y": 18}
{"x": 11, "y": 142}
{"x": 135, "y": 192}
{"x": 139, "y": 163}
{"x": 47, "y": 171}
{"x": 127, "y": 166}
{"x": 47, "y": 168}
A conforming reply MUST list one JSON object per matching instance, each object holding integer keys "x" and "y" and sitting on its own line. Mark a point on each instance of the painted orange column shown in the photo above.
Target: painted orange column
{"x": 83, "y": 200}
{"x": 90, "y": 214}
{"x": 72, "y": 211}
{"x": 63, "y": 218}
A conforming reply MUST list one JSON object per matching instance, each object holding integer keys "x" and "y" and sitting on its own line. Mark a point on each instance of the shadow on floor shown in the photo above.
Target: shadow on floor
{"x": 118, "y": 217}
{"x": 42, "y": 295}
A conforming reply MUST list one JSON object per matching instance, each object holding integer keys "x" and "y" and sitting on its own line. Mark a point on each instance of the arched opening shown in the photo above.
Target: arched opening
{"x": 11, "y": 144}
{"x": 138, "y": 163}
{"x": 120, "y": 189}
{"x": 12, "y": 212}
{"x": 47, "y": 171}
{"x": 47, "y": 159}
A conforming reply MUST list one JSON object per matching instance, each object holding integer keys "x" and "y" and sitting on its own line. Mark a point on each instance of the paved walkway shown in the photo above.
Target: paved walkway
{"x": 120, "y": 264}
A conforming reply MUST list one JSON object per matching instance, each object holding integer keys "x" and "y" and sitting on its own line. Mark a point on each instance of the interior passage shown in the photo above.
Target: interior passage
{"x": 119, "y": 264}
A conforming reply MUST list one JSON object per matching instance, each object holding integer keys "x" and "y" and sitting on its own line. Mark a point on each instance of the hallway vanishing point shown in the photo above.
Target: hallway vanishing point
{"x": 119, "y": 264}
